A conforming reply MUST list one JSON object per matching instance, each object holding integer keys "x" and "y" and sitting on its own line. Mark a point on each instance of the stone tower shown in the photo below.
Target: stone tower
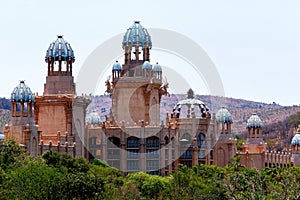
{"x": 22, "y": 127}
{"x": 136, "y": 86}
{"x": 225, "y": 147}
{"x": 59, "y": 112}
{"x": 253, "y": 152}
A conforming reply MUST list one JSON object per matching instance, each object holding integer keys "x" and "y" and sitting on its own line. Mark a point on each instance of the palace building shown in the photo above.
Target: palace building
{"x": 133, "y": 137}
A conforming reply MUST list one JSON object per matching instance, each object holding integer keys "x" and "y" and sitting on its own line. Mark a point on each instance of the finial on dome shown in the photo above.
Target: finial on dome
{"x": 190, "y": 94}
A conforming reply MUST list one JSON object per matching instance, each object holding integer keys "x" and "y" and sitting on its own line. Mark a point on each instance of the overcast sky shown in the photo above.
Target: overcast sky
{"x": 255, "y": 45}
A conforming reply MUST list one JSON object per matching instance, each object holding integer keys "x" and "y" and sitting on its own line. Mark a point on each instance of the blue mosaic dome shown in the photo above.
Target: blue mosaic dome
{"x": 254, "y": 121}
{"x": 223, "y": 115}
{"x": 146, "y": 65}
{"x": 93, "y": 118}
{"x": 157, "y": 68}
{"x": 60, "y": 50}
{"x": 296, "y": 139}
{"x": 117, "y": 66}
{"x": 22, "y": 93}
{"x": 137, "y": 35}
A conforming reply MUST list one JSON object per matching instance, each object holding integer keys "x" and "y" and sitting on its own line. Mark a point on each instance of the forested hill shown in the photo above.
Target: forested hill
{"x": 5, "y": 103}
{"x": 5, "y": 108}
{"x": 240, "y": 109}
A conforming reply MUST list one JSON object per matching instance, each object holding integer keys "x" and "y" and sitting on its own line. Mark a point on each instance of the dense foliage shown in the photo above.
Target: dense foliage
{"x": 56, "y": 176}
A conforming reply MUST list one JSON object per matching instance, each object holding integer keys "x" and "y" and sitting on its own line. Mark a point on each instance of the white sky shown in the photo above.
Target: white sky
{"x": 255, "y": 44}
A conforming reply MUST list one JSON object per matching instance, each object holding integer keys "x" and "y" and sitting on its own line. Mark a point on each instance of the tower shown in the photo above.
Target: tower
{"x": 225, "y": 147}
{"x": 60, "y": 113}
{"x": 22, "y": 127}
{"x": 136, "y": 87}
{"x": 59, "y": 80}
{"x": 253, "y": 152}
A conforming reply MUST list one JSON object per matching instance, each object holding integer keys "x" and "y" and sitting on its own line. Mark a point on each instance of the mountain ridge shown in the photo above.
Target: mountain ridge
{"x": 240, "y": 109}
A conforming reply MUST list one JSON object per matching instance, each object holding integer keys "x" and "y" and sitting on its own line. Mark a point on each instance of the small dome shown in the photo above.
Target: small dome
{"x": 254, "y": 121}
{"x": 22, "y": 93}
{"x": 137, "y": 35}
{"x": 93, "y": 118}
{"x": 117, "y": 66}
{"x": 146, "y": 65}
{"x": 60, "y": 50}
{"x": 157, "y": 68}
{"x": 223, "y": 115}
{"x": 296, "y": 139}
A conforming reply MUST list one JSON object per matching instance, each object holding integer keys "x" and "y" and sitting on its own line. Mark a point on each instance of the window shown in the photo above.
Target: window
{"x": 133, "y": 153}
{"x": 133, "y": 165}
{"x": 152, "y": 142}
{"x": 133, "y": 142}
{"x": 152, "y": 153}
{"x": 201, "y": 140}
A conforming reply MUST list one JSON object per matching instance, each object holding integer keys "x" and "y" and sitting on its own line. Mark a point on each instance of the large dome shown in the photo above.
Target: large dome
{"x": 22, "y": 93}
{"x": 137, "y": 35}
{"x": 60, "y": 50}
{"x": 254, "y": 121}
{"x": 223, "y": 115}
{"x": 193, "y": 103}
{"x": 296, "y": 139}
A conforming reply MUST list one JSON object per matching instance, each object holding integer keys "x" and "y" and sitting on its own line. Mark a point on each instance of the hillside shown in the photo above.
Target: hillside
{"x": 5, "y": 103}
{"x": 4, "y": 118}
{"x": 240, "y": 109}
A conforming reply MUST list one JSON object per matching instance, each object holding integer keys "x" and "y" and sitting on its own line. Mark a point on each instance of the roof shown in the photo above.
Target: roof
{"x": 296, "y": 139}
{"x": 60, "y": 50}
{"x": 157, "y": 68}
{"x": 137, "y": 35}
{"x": 117, "y": 66}
{"x": 223, "y": 115}
{"x": 146, "y": 65}
{"x": 254, "y": 121}
{"x": 93, "y": 118}
{"x": 22, "y": 93}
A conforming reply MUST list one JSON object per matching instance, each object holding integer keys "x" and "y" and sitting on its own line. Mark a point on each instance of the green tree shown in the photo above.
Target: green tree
{"x": 11, "y": 154}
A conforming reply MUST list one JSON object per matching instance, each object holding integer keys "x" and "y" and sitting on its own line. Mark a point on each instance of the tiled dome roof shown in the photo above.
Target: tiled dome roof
{"x": 137, "y": 35}
{"x": 60, "y": 50}
{"x": 223, "y": 115}
{"x": 22, "y": 93}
